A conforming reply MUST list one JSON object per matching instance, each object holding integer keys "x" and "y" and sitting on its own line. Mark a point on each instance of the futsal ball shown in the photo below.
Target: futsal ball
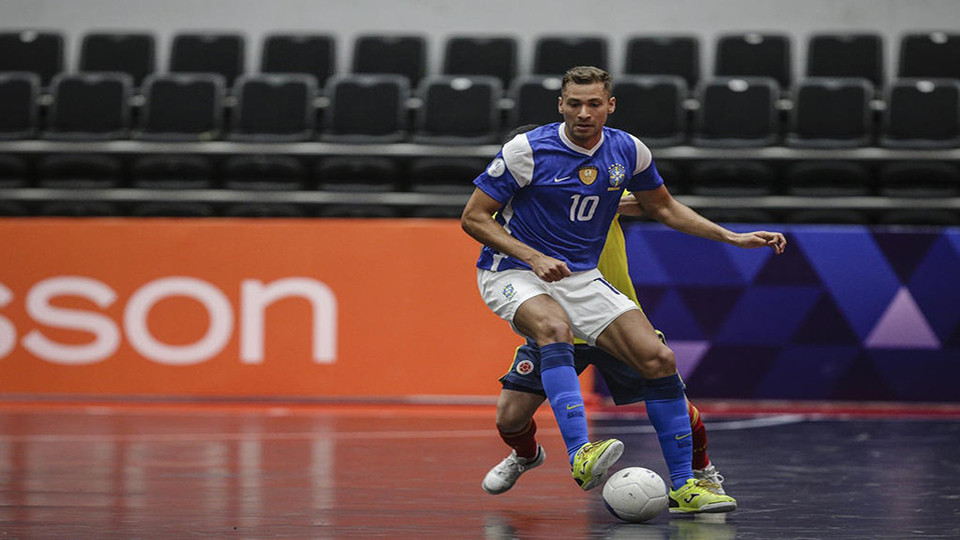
{"x": 635, "y": 494}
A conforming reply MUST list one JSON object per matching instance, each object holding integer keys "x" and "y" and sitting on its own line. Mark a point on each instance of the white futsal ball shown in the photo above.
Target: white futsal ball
{"x": 635, "y": 494}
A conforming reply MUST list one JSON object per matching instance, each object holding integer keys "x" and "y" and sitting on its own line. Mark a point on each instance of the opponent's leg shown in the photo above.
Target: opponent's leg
{"x": 517, "y": 429}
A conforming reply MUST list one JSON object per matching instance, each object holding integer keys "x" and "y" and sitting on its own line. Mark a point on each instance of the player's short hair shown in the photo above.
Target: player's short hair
{"x": 518, "y": 130}
{"x": 586, "y": 75}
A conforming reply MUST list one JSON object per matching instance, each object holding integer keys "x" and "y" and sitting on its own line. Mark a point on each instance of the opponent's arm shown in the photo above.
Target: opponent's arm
{"x": 661, "y": 206}
{"x": 477, "y": 221}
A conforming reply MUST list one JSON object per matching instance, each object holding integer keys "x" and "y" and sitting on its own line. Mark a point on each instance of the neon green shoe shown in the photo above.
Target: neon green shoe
{"x": 592, "y": 460}
{"x": 700, "y": 497}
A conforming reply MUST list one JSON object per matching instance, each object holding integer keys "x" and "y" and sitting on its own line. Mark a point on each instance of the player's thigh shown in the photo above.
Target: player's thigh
{"x": 542, "y": 319}
{"x": 632, "y": 339}
{"x": 515, "y": 409}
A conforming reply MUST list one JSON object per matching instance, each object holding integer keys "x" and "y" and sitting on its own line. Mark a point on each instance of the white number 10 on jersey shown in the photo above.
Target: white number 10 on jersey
{"x": 583, "y": 209}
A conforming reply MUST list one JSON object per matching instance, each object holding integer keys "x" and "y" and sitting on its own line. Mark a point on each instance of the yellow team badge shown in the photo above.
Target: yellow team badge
{"x": 588, "y": 174}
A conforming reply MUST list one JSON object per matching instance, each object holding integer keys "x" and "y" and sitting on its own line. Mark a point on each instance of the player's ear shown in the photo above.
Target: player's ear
{"x": 611, "y": 105}
{"x": 560, "y": 104}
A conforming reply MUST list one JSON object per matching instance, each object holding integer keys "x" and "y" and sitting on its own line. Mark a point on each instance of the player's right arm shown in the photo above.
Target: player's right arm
{"x": 477, "y": 221}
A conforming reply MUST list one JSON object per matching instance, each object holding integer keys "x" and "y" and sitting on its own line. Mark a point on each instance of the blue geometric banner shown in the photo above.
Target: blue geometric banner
{"x": 846, "y": 313}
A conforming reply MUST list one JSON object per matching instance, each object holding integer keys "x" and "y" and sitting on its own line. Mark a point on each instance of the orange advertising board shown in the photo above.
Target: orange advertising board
{"x": 245, "y": 308}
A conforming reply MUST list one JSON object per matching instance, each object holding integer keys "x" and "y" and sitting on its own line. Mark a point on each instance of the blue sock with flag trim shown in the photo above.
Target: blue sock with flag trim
{"x": 562, "y": 387}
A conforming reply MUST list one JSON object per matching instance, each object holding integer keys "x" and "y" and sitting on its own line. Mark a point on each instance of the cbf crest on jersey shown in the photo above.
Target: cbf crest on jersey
{"x": 588, "y": 174}
{"x": 617, "y": 175}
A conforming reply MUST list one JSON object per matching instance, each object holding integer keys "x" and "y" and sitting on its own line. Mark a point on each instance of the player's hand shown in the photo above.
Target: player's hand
{"x": 549, "y": 269}
{"x": 756, "y": 239}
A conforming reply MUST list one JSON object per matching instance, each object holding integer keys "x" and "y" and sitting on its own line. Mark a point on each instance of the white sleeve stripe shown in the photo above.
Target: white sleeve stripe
{"x": 518, "y": 155}
{"x": 644, "y": 156}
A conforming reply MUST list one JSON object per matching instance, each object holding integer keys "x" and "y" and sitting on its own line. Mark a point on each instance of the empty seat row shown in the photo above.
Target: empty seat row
{"x": 921, "y": 54}
{"x": 732, "y": 111}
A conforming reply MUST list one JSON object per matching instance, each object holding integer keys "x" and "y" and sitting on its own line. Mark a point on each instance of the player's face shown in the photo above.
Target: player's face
{"x": 585, "y": 108}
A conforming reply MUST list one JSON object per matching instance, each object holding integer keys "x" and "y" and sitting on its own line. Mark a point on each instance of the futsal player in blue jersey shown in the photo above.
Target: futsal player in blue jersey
{"x": 542, "y": 210}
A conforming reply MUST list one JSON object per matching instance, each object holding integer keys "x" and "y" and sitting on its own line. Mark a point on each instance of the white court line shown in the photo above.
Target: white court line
{"x": 768, "y": 421}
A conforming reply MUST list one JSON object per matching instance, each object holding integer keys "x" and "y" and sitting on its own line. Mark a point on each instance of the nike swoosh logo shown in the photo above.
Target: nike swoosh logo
{"x": 574, "y": 406}
{"x": 678, "y": 437}
{"x": 560, "y": 179}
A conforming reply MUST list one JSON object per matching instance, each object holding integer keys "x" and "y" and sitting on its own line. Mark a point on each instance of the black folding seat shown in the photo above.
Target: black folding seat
{"x": 913, "y": 178}
{"x": 181, "y": 107}
{"x": 651, "y": 108}
{"x": 554, "y": 55}
{"x": 358, "y": 173}
{"x": 398, "y": 54}
{"x": 130, "y": 53}
{"x": 922, "y": 113}
{"x": 828, "y": 216}
{"x": 89, "y": 107}
{"x": 930, "y": 55}
{"x": 755, "y": 55}
{"x": 32, "y": 51}
{"x": 445, "y": 175}
{"x": 264, "y": 210}
{"x": 366, "y": 109}
{"x": 664, "y": 55}
{"x": 223, "y": 54}
{"x": 80, "y": 171}
{"x": 458, "y": 110}
{"x": 535, "y": 99}
{"x": 737, "y": 215}
{"x": 274, "y": 108}
{"x": 834, "y": 178}
{"x": 14, "y": 172}
{"x": 358, "y": 211}
{"x": 309, "y": 54}
{"x": 172, "y": 171}
{"x": 732, "y": 178}
{"x": 78, "y": 208}
{"x": 737, "y": 112}
{"x": 494, "y": 56}
{"x": 13, "y": 209}
{"x": 19, "y": 108}
{"x": 831, "y": 113}
{"x": 173, "y": 209}
{"x": 857, "y": 55}
{"x": 264, "y": 173}
{"x": 924, "y": 218}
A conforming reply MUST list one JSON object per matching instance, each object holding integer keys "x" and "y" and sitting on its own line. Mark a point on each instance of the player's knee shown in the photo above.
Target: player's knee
{"x": 661, "y": 364}
{"x": 509, "y": 420}
{"x": 554, "y": 331}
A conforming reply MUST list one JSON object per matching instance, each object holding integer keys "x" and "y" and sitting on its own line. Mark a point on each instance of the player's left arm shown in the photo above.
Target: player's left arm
{"x": 661, "y": 206}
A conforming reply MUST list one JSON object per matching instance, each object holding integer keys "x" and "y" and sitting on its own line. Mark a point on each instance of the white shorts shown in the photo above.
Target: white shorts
{"x": 589, "y": 301}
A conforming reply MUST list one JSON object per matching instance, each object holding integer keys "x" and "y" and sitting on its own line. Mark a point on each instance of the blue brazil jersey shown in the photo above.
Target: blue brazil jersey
{"x": 559, "y": 198}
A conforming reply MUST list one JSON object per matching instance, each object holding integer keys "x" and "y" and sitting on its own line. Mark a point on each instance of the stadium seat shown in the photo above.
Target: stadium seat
{"x": 404, "y": 55}
{"x": 307, "y": 54}
{"x": 831, "y": 113}
{"x": 458, "y": 110}
{"x": 13, "y": 209}
{"x": 534, "y": 100}
{"x": 737, "y": 112}
{"x": 858, "y": 55}
{"x": 358, "y": 173}
{"x": 493, "y": 56}
{"x": 172, "y": 171}
{"x": 922, "y": 113}
{"x": 32, "y": 51}
{"x": 130, "y": 53}
{"x": 80, "y": 171}
{"x": 14, "y": 172}
{"x": 173, "y": 209}
{"x": 445, "y": 175}
{"x": 737, "y": 215}
{"x": 664, "y": 55}
{"x": 264, "y": 210}
{"x": 821, "y": 178}
{"x": 651, "y": 108}
{"x": 732, "y": 178}
{"x": 554, "y": 55}
{"x": 222, "y": 54}
{"x": 19, "y": 108}
{"x": 828, "y": 216}
{"x": 358, "y": 211}
{"x": 89, "y": 107}
{"x": 911, "y": 178}
{"x": 929, "y": 55}
{"x": 264, "y": 173}
{"x": 929, "y": 218}
{"x": 366, "y": 109}
{"x": 755, "y": 55}
{"x": 78, "y": 208}
{"x": 181, "y": 107}
{"x": 274, "y": 108}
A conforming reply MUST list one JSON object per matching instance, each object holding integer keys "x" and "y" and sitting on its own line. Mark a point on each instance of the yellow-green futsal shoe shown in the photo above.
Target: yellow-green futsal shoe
{"x": 700, "y": 497}
{"x": 592, "y": 460}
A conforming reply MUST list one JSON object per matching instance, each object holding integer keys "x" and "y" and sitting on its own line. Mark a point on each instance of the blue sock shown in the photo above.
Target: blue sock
{"x": 667, "y": 409}
{"x": 562, "y": 387}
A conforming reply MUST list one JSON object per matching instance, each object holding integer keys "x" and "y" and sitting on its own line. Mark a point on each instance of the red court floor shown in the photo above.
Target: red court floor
{"x": 386, "y": 471}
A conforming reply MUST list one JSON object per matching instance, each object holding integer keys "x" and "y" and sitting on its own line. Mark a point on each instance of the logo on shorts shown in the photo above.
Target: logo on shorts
{"x": 617, "y": 173}
{"x": 524, "y": 367}
{"x": 509, "y": 292}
